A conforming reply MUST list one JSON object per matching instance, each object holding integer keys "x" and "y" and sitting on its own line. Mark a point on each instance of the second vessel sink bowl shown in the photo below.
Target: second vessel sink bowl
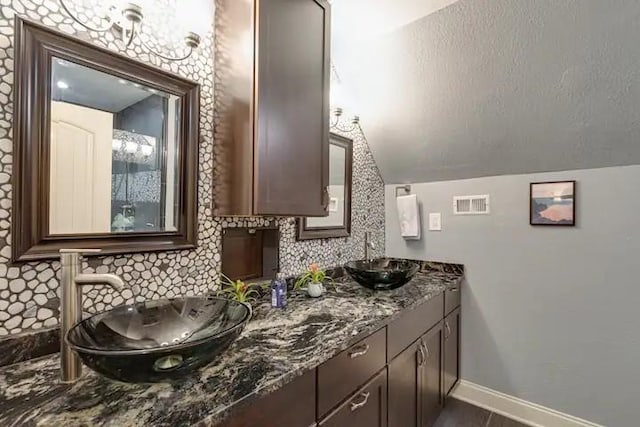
{"x": 382, "y": 273}
{"x": 159, "y": 339}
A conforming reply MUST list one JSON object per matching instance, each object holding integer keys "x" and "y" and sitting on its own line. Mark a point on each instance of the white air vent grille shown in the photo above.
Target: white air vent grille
{"x": 471, "y": 205}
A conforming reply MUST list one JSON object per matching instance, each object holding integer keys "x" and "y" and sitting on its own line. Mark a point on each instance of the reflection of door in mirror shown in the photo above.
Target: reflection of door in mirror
{"x": 114, "y": 154}
{"x": 80, "y": 181}
{"x": 337, "y": 179}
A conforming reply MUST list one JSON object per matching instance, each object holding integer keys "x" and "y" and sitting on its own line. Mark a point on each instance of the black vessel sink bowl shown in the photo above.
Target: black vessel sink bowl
{"x": 158, "y": 340}
{"x": 382, "y": 273}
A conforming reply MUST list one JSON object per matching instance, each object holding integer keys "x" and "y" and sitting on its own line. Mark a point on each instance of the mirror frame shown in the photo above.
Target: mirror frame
{"x": 307, "y": 233}
{"x": 35, "y": 47}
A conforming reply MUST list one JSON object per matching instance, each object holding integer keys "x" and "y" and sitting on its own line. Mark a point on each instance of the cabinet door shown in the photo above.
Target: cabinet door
{"x": 431, "y": 377}
{"x": 292, "y": 131}
{"x": 451, "y": 332}
{"x": 366, "y": 408}
{"x": 404, "y": 387}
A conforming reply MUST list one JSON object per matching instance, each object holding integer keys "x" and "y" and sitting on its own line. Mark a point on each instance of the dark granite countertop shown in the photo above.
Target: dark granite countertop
{"x": 275, "y": 347}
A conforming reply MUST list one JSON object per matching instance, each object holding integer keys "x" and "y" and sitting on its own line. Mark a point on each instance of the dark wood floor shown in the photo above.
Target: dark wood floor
{"x": 457, "y": 413}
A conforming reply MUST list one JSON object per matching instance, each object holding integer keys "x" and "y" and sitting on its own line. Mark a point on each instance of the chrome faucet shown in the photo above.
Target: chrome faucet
{"x": 71, "y": 304}
{"x": 369, "y": 245}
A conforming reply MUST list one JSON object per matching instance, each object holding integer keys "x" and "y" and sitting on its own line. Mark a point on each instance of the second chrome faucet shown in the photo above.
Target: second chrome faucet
{"x": 369, "y": 245}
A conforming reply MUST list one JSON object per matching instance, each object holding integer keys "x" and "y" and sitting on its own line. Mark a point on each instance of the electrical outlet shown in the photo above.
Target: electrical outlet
{"x": 435, "y": 221}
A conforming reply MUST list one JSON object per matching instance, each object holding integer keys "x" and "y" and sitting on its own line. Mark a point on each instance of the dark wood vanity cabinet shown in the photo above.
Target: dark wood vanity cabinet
{"x": 272, "y": 107}
{"x": 399, "y": 376}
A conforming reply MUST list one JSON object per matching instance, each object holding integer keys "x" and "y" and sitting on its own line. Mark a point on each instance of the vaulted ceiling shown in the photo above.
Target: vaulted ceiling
{"x": 450, "y": 90}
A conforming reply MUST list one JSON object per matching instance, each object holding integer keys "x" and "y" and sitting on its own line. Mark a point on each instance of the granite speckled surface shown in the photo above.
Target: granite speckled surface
{"x": 29, "y": 345}
{"x": 276, "y": 347}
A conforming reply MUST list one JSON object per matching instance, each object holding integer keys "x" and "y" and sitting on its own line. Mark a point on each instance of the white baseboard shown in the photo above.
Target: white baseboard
{"x": 520, "y": 410}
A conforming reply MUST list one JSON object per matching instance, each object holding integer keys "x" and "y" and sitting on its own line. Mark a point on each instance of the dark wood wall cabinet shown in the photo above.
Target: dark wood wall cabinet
{"x": 272, "y": 101}
{"x": 399, "y": 376}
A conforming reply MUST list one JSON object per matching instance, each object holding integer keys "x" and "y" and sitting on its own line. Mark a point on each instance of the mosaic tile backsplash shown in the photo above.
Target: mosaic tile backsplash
{"x": 28, "y": 292}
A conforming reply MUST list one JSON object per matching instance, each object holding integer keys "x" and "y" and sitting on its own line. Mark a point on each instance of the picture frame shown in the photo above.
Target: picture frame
{"x": 552, "y": 203}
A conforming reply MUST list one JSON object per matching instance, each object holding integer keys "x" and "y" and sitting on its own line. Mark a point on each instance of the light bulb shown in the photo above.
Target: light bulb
{"x": 146, "y": 150}
{"x": 130, "y": 147}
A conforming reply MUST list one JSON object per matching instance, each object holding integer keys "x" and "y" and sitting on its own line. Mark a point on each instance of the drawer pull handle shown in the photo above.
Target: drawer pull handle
{"x": 447, "y": 330}
{"x": 420, "y": 354}
{"x": 454, "y": 289}
{"x": 365, "y": 398}
{"x": 360, "y": 351}
{"x": 426, "y": 349}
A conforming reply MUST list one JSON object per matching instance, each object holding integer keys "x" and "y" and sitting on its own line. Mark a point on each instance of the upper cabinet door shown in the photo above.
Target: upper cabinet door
{"x": 291, "y": 159}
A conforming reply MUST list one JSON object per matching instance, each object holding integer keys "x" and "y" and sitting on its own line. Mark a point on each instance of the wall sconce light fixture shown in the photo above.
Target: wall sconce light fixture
{"x": 336, "y": 119}
{"x": 127, "y": 20}
{"x": 338, "y": 100}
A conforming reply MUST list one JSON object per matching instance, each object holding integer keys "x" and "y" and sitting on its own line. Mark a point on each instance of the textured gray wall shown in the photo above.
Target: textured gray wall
{"x": 492, "y": 87}
{"x": 550, "y": 314}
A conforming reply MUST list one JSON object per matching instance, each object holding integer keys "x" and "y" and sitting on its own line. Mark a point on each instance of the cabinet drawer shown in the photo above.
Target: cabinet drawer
{"x": 276, "y": 409}
{"x": 452, "y": 299}
{"x": 344, "y": 373}
{"x": 366, "y": 408}
{"x": 412, "y": 324}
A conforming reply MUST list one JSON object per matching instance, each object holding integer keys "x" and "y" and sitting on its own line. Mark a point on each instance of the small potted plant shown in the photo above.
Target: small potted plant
{"x": 237, "y": 290}
{"x": 313, "y": 281}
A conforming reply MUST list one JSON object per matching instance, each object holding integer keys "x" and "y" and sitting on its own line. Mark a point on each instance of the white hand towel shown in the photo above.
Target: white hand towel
{"x": 409, "y": 216}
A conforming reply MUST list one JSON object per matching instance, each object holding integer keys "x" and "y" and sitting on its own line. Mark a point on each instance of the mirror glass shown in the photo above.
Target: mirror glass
{"x": 113, "y": 154}
{"x": 337, "y": 190}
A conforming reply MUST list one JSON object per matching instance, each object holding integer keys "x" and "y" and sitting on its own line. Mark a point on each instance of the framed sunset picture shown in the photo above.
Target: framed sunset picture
{"x": 553, "y": 203}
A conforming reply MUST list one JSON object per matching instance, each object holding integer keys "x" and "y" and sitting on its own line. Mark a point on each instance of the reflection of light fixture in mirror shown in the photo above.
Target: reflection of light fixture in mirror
{"x": 128, "y": 21}
{"x": 132, "y": 147}
{"x": 146, "y": 150}
{"x": 62, "y": 84}
{"x": 335, "y": 121}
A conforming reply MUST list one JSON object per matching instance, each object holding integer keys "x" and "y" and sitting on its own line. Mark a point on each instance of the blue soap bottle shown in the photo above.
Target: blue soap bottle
{"x": 278, "y": 293}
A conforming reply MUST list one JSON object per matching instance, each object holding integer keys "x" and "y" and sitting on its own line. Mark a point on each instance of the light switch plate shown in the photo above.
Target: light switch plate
{"x": 435, "y": 221}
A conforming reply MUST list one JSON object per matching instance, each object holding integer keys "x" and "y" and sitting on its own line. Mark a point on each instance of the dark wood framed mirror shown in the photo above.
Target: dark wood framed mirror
{"x": 105, "y": 150}
{"x": 338, "y": 221}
